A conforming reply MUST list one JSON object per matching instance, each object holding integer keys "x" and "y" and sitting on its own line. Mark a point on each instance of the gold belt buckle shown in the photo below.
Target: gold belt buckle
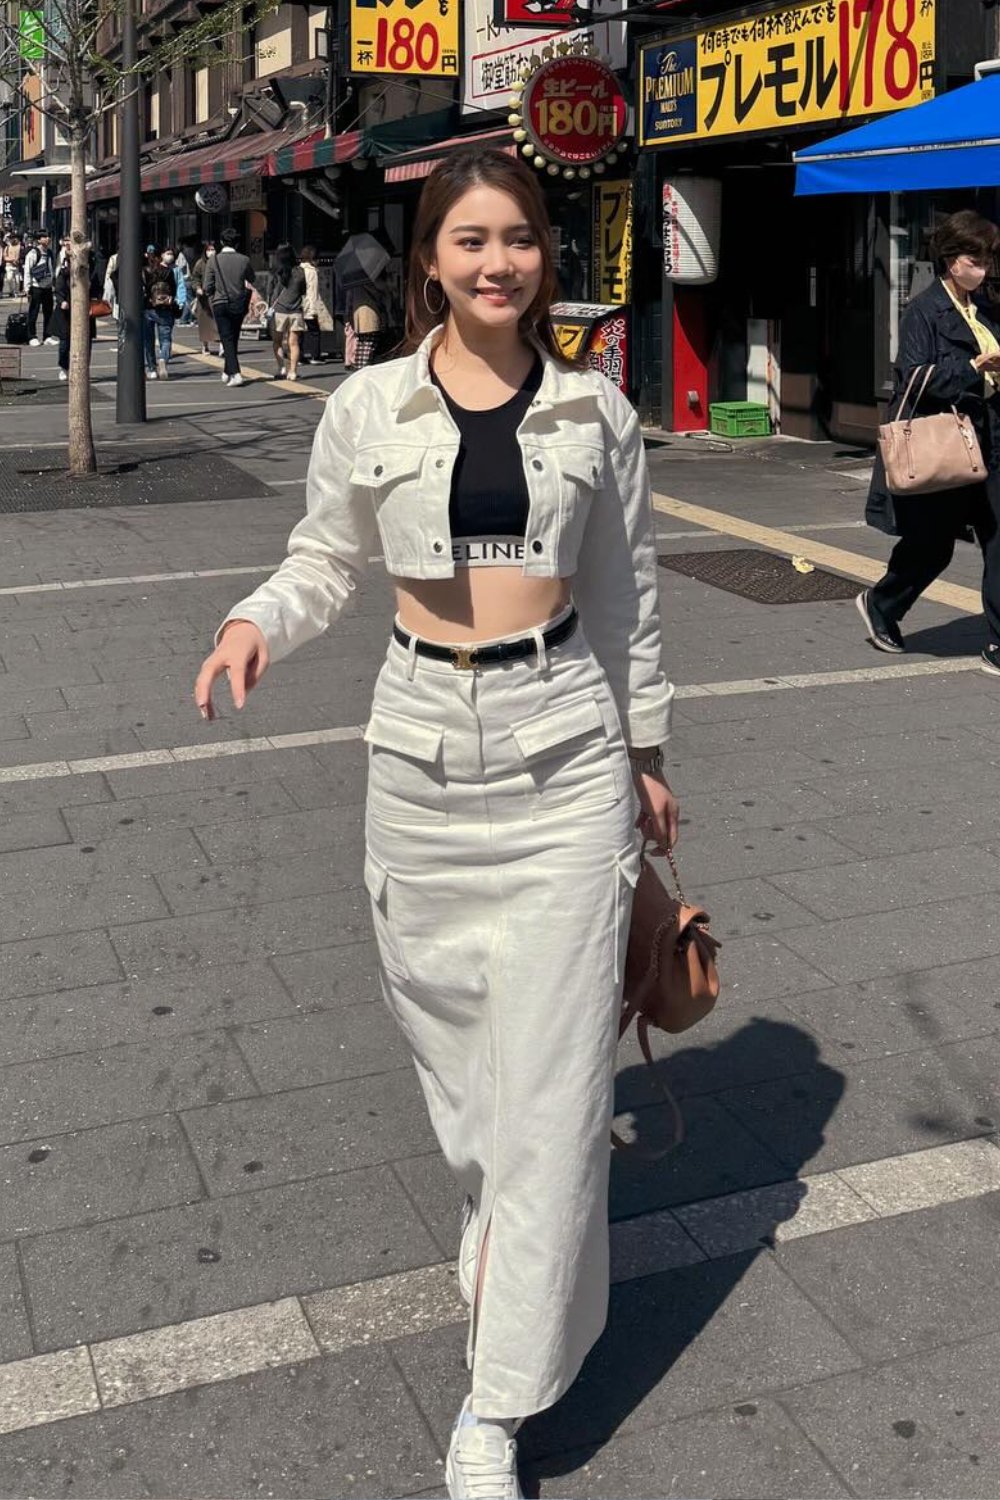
{"x": 463, "y": 658}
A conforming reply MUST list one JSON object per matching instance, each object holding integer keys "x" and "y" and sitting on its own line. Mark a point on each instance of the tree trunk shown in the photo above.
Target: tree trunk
{"x": 82, "y": 458}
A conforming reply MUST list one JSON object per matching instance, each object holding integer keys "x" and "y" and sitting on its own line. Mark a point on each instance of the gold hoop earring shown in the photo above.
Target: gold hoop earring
{"x": 435, "y": 312}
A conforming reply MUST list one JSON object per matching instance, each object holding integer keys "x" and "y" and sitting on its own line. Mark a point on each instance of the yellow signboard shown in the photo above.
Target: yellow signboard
{"x": 405, "y": 37}
{"x": 612, "y": 241}
{"x": 821, "y": 62}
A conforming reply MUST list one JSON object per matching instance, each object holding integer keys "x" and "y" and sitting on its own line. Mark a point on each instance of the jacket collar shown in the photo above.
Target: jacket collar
{"x": 940, "y": 300}
{"x": 416, "y": 385}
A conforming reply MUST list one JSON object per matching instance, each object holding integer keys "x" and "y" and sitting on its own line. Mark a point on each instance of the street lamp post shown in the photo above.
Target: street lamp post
{"x": 130, "y": 394}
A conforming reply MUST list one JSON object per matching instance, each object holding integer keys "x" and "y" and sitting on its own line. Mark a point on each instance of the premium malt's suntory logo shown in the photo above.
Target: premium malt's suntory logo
{"x": 671, "y": 81}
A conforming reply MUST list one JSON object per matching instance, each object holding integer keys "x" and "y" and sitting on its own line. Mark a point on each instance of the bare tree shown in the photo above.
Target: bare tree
{"x": 76, "y": 79}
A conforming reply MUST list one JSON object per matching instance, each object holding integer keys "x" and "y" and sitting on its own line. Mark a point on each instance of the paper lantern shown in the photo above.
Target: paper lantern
{"x": 692, "y": 223}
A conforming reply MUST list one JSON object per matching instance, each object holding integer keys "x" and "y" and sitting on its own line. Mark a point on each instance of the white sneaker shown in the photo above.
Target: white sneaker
{"x": 51, "y": 341}
{"x": 467, "y": 1251}
{"x": 150, "y": 374}
{"x": 33, "y": 343}
{"x": 226, "y": 378}
{"x": 293, "y": 375}
{"x": 63, "y": 375}
{"x": 482, "y": 1462}
{"x": 237, "y": 380}
{"x": 161, "y": 369}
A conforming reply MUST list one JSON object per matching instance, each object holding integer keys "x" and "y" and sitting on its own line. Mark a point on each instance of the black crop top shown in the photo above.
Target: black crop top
{"x": 489, "y": 496}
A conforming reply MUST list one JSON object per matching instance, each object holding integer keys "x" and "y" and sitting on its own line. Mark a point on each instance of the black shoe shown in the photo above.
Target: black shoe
{"x": 991, "y": 661}
{"x": 885, "y": 635}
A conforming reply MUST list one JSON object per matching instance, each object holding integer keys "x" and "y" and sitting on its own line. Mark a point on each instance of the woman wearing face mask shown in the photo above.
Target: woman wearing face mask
{"x": 513, "y": 740}
{"x": 951, "y": 327}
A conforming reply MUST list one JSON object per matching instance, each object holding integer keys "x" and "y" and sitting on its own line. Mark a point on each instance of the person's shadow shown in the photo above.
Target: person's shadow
{"x": 657, "y": 1315}
{"x": 964, "y": 636}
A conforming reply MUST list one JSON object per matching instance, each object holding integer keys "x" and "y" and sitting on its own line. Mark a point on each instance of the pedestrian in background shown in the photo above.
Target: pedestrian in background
{"x": 169, "y": 260}
{"x": 319, "y": 319}
{"x": 160, "y": 313}
{"x": 208, "y": 333}
{"x": 39, "y": 275}
{"x": 62, "y": 314}
{"x": 12, "y": 255}
{"x": 229, "y": 277}
{"x": 366, "y": 314}
{"x": 187, "y": 253}
{"x": 509, "y": 756}
{"x": 953, "y": 331}
{"x": 286, "y": 290}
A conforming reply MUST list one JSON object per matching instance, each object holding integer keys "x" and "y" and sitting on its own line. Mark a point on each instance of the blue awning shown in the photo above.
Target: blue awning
{"x": 949, "y": 142}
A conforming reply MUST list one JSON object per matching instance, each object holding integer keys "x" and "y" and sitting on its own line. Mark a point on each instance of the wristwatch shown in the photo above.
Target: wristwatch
{"x": 647, "y": 765}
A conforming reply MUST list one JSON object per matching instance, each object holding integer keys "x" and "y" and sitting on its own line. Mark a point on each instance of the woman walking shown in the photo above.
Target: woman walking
{"x": 315, "y": 311}
{"x": 61, "y": 319}
{"x": 207, "y": 331}
{"x": 508, "y": 752}
{"x": 286, "y": 290}
{"x": 160, "y": 315}
{"x": 950, "y": 331}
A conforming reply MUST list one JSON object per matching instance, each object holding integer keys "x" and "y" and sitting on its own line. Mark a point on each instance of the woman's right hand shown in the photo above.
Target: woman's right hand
{"x": 242, "y": 655}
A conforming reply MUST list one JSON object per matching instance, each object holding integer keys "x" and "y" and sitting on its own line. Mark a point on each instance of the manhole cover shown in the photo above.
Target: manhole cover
{"x": 761, "y": 576}
{"x": 33, "y": 479}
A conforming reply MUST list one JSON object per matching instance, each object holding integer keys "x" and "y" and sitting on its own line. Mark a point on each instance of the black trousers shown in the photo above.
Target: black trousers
{"x": 229, "y": 326}
{"x": 925, "y": 549}
{"x": 39, "y": 297}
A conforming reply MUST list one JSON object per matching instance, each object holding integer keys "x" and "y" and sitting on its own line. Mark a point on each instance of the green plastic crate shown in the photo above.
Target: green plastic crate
{"x": 739, "y": 419}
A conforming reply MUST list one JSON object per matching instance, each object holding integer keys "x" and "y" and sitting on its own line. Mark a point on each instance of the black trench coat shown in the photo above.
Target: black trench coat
{"x": 933, "y": 331}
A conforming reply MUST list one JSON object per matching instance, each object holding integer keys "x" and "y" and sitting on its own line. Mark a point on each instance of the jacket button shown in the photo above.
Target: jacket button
{"x": 536, "y": 463}
{"x": 536, "y": 546}
{"x": 439, "y": 463}
{"x": 439, "y": 546}
{"x": 378, "y": 469}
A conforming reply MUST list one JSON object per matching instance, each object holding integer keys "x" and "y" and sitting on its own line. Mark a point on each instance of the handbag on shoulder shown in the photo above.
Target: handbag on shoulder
{"x": 671, "y": 978}
{"x": 923, "y": 455}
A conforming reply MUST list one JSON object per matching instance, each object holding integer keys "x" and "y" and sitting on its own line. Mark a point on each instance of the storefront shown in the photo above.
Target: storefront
{"x": 784, "y": 300}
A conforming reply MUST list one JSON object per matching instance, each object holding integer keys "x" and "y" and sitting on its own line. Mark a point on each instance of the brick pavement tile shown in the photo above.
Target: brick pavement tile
{"x": 854, "y": 793}
{"x": 886, "y": 884}
{"x": 38, "y": 965}
{"x": 900, "y": 942}
{"x": 745, "y": 908}
{"x": 126, "y": 1275}
{"x": 717, "y": 1155}
{"x": 330, "y": 789}
{"x": 32, "y": 831}
{"x": 296, "y": 1051}
{"x": 326, "y": 1128}
{"x": 902, "y": 1012}
{"x": 52, "y": 792}
{"x": 746, "y": 853}
{"x": 15, "y": 1334}
{"x": 737, "y": 769}
{"x": 739, "y": 1043}
{"x": 676, "y": 1343}
{"x": 58, "y": 890}
{"x": 85, "y": 1089}
{"x": 915, "y": 1281}
{"x": 887, "y": 1106}
{"x": 13, "y": 727}
{"x": 72, "y": 746}
{"x": 276, "y": 837}
{"x": 943, "y": 747}
{"x": 27, "y": 698}
{"x": 89, "y": 825}
{"x": 923, "y": 1426}
{"x": 752, "y": 807}
{"x": 750, "y": 1451}
{"x": 244, "y": 933}
{"x": 436, "y": 1195}
{"x": 315, "y": 1428}
{"x": 925, "y": 826}
{"x": 204, "y": 887}
{"x": 140, "y": 1010}
{"x": 88, "y": 1175}
{"x": 764, "y": 968}
{"x": 324, "y": 977}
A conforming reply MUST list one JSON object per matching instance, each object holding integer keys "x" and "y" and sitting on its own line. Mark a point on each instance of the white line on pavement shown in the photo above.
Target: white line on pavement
{"x": 133, "y": 760}
{"x": 106, "y": 583}
{"x": 198, "y": 1352}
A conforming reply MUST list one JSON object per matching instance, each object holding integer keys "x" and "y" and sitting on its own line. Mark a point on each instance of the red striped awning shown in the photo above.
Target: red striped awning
{"x": 313, "y": 152}
{"x": 410, "y": 166}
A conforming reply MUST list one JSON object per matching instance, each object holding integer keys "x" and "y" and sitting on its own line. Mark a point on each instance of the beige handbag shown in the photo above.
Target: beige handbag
{"x": 925, "y": 454}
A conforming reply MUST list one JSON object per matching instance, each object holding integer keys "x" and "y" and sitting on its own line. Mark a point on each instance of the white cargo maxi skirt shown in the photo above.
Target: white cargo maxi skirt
{"x": 501, "y": 860}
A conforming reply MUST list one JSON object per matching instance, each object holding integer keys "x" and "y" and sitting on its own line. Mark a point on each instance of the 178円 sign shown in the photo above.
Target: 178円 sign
{"x": 405, "y": 37}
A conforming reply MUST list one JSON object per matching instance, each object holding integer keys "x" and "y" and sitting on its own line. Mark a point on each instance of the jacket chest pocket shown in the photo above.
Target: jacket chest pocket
{"x": 389, "y": 471}
{"x": 406, "y": 781}
{"x": 568, "y": 757}
{"x": 581, "y": 476}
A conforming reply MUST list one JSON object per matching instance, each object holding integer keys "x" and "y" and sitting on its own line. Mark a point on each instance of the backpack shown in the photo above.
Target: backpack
{"x": 41, "y": 269}
{"x": 160, "y": 295}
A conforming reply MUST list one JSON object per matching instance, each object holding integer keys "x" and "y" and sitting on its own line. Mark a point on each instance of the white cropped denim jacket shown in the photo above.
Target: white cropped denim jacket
{"x": 382, "y": 460}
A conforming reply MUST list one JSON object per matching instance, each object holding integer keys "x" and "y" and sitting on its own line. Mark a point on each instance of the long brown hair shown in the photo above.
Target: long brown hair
{"x": 467, "y": 168}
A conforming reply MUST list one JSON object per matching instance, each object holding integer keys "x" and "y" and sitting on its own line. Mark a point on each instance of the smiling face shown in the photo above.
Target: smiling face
{"x": 487, "y": 260}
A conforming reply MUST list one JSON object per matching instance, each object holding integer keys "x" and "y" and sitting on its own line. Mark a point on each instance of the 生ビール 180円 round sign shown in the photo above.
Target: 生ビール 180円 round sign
{"x": 574, "y": 110}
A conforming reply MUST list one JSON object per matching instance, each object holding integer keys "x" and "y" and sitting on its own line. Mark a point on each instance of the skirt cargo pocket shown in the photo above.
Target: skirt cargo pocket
{"x": 406, "y": 782}
{"x": 378, "y": 885}
{"x": 567, "y": 755}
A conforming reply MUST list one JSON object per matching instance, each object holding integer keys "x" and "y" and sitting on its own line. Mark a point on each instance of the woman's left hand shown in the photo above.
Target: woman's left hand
{"x": 659, "y": 818}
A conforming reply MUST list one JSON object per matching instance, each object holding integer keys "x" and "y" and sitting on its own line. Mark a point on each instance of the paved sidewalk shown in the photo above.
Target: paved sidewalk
{"x": 226, "y": 1235}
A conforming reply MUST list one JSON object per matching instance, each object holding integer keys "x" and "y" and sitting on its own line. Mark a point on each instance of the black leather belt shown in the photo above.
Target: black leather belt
{"x": 467, "y": 658}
